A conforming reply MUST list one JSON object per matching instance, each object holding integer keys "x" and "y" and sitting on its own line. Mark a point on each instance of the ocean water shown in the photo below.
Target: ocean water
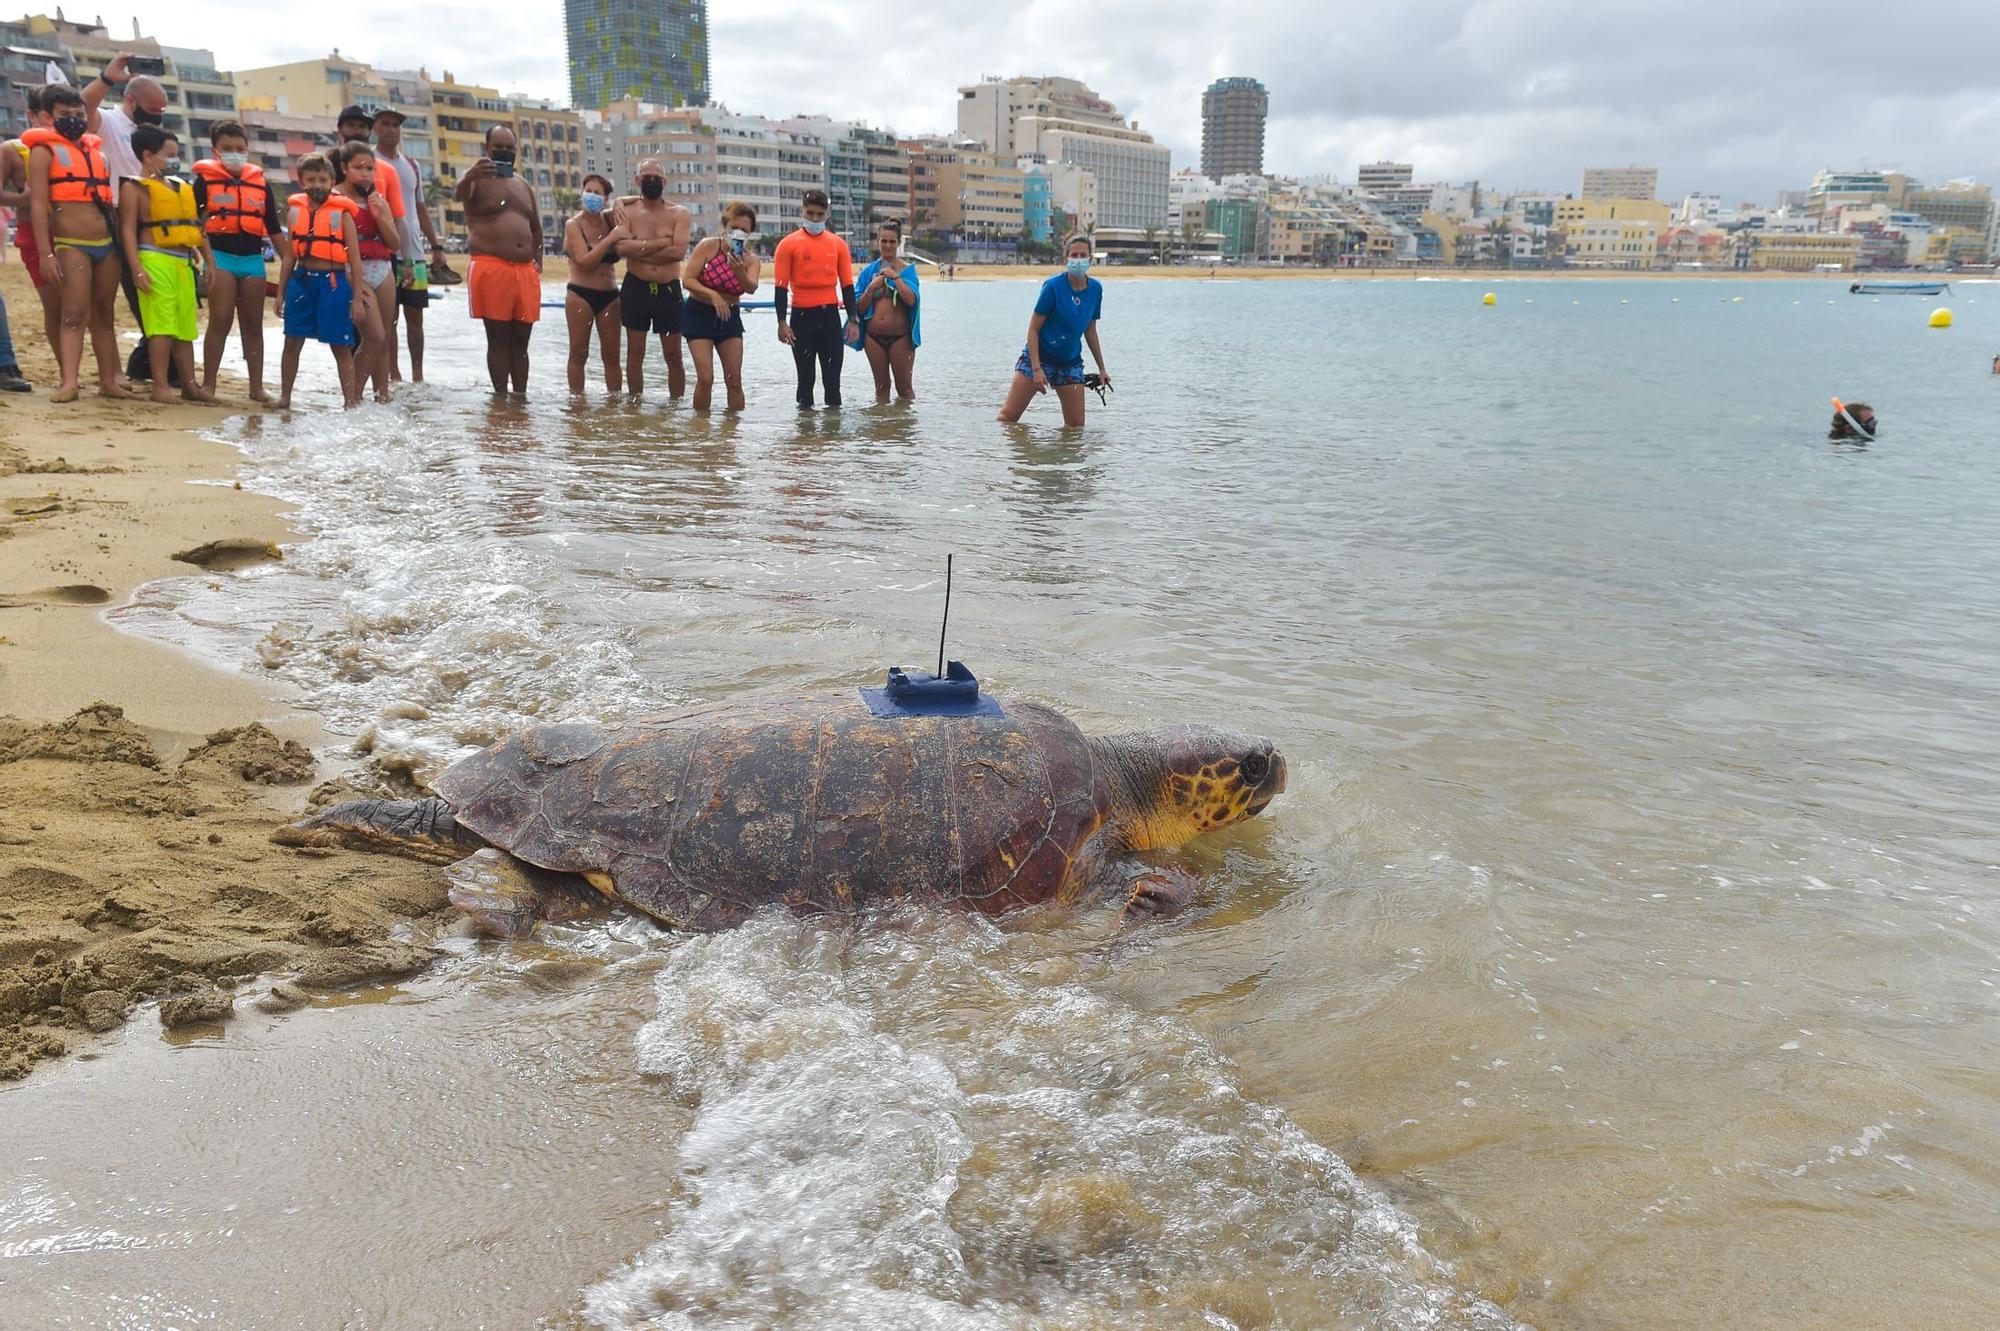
{"x": 1624, "y": 952}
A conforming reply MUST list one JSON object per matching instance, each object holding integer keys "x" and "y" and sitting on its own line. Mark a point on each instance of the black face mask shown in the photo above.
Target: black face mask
{"x": 364, "y": 190}
{"x": 652, "y": 187}
{"x": 501, "y": 154}
{"x": 147, "y": 118}
{"x": 71, "y": 127}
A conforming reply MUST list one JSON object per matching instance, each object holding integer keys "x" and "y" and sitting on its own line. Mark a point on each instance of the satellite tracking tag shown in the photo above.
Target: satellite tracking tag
{"x": 952, "y": 691}
{"x": 913, "y": 693}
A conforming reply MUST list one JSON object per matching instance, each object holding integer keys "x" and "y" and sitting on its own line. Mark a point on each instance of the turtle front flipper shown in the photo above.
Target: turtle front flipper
{"x": 1156, "y": 886}
{"x": 509, "y": 897}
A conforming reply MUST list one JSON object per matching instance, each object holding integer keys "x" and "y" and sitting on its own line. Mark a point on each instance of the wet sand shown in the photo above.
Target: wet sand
{"x": 139, "y": 786}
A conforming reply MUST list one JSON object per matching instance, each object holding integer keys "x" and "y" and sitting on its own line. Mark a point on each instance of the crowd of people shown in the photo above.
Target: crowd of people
{"x": 107, "y": 201}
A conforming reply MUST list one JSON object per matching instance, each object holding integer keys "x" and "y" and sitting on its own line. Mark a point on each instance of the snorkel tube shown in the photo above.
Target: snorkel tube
{"x": 1860, "y": 431}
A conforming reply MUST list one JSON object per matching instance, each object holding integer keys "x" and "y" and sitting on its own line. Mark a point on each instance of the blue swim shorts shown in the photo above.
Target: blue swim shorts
{"x": 1059, "y": 376}
{"x": 320, "y": 306}
{"x": 240, "y": 265}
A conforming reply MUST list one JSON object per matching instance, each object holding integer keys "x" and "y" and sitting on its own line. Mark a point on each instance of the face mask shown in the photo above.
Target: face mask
{"x": 1079, "y": 267}
{"x": 147, "y": 118}
{"x": 502, "y": 154}
{"x": 236, "y": 161}
{"x": 593, "y": 203}
{"x": 71, "y": 127}
{"x": 652, "y": 187}
{"x": 814, "y": 228}
{"x": 170, "y": 167}
{"x": 363, "y": 190}
{"x": 318, "y": 194}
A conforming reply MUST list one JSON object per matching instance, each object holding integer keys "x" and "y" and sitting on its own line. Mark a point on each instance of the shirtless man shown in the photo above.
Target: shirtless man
{"x": 654, "y": 242}
{"x": 505, "y": 285}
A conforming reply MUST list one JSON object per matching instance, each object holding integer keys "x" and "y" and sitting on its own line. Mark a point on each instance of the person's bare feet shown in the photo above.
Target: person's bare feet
{"x": 161, "y": 395}
{"x": 258, "y": 394}
{"x": 118, "y": 390}
{"x": 198, "y": 395}
{"x": 69, "y": 394}
{"x": 284, "y": 404}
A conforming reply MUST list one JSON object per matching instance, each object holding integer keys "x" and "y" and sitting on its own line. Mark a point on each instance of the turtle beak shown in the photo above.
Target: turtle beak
{"x": 1271, "y": 787}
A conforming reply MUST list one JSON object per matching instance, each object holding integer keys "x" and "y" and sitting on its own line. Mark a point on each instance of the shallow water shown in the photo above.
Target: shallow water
{"x": 1628, "y": 924}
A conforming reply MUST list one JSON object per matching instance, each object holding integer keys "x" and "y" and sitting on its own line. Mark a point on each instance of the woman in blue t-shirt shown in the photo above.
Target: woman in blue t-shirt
{"x": 1065, "y": 318}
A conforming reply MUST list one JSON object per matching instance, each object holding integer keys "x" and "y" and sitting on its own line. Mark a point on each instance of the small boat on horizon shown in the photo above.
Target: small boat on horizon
{"x": 1899, "y": 288}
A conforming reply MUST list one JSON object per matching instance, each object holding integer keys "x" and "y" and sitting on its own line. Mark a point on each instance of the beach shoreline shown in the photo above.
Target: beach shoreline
{"x": 139, "y": 784}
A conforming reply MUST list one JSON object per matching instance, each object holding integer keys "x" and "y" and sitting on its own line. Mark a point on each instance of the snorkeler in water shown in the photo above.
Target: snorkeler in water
{"x": 1852, "y": 420}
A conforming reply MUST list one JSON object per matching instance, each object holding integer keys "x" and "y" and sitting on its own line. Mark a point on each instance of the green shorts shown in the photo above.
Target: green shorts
{"x": 413, "y": 283}
{"x": 168, "y": 309}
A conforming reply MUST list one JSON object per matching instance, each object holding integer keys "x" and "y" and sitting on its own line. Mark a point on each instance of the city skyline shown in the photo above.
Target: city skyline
{"x": 1518, "y": 95}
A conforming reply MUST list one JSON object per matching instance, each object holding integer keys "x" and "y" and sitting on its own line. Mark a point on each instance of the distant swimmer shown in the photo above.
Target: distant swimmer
{"x": 1065, "y": 319}
{"x": 1996, "y": 365}
{"x": 1852, "y": 420}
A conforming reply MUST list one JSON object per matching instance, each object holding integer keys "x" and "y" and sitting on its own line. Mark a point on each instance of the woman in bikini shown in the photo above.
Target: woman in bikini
{"x": 591, "y": 243}
{"x": 380, "y": 238}
{"x": 720, "y": 272}
{"x": 888, "y": 318}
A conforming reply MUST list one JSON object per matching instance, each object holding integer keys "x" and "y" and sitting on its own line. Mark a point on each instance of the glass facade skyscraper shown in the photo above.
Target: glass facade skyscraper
{"x": 649, "y": 50}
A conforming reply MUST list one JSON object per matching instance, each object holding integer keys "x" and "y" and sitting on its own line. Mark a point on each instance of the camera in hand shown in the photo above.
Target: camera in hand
{"x": 145, "y": 64}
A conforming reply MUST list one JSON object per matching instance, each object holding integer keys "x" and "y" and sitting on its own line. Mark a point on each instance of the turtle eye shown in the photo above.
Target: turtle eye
{"x": 1254, "y": 767}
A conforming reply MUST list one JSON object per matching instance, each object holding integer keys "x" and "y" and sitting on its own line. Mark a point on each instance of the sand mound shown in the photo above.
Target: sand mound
{"x": 121, "y": 882}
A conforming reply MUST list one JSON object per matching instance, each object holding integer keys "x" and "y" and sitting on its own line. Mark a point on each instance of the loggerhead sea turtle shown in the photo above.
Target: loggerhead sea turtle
{"x": 701, "y": 817}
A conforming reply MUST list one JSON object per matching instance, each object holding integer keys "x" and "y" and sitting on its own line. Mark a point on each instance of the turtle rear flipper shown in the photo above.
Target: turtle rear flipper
{"x": 509, "y": 897}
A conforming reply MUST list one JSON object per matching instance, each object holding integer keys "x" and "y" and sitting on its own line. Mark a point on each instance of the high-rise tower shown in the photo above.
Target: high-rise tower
{"x": 1232, "y": 128}
{"x": 648, "y": 50}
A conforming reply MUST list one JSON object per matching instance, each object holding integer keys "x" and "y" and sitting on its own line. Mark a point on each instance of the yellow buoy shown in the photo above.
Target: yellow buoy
{"x": 1489, "y": 299}
{"x": 1940, "y": 317}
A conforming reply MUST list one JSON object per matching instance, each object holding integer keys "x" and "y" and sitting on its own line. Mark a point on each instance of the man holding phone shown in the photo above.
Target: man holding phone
{"x": 505, "y": 237}
{"x": 144, "y": 103}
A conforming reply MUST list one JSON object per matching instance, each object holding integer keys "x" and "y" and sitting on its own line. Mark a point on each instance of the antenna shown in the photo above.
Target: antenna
{"x": 947, "y": 615}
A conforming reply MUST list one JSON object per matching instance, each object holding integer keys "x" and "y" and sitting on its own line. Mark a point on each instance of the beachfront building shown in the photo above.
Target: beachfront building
{"x": 846, "y": 182}
{"x": 651, "y": 51}
{"x": 1533, "y": 208}
{"x": 764, "y": 166}
{"x": 286, "y": 99}
{"x": 1832, "y": 190}
{"x": 1072, "y": 199}
{"x": 277, "y": 141}
{"x": 980, "y": 198}
{"x": 888, "y": 178}
{"x": 628, "y": 133}
{"x": 1783, "y": 252}
{"x": 25, "y": 57}
{"x": 1375, "y": 177}
{"x": 1063, "y": 121}
{"x": 1233, "y": 111}
{"x": 198, "y": 94}
{"x": 1037, "y": 205}
{"x": 1960, "y": 205}
{"x": 1604, "y": 183}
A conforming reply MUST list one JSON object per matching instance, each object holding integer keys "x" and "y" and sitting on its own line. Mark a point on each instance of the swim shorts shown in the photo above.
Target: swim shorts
{"x": 24, "y": 241}
{"x": 240, "y": 265}
{"x": 1059, "y": 376}
{"x": 650, "y": 306}
{"x": 698, "y": 323}
{"x": 415, "y": 289}
{"x": 320, "y": 306}
{"x": 506, "y": 290}
{"x": 167, "y": 308}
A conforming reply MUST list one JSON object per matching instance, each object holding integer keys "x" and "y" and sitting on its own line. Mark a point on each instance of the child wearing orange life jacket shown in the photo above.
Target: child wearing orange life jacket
{"x": 319, "y": 278}
{"x": 70, "y": 206}
{"x": 162, "y": 237}
{"x": 14, "y": 194}
{"x": 239, "y": 211}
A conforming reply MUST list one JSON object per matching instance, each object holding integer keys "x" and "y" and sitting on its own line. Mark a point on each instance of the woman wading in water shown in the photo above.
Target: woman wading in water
{"x": 1065, "y": 318}
{"x": 720, "y": 272}
{"x": 591, "y": 243}
{"x": 888, "y": 316}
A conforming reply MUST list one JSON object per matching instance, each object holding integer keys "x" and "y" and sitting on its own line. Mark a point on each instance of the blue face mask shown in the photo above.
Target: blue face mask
{"x": 1079, "y": 267}
{"x": 813, "y": 228}
{"x": 593, "y": 203}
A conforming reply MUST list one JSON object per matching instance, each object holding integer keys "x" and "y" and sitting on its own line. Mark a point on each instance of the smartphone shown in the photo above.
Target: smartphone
{"x": 146, "y": 64}
{"x": 503, "y": 169}
{"x": 737, "y": 246}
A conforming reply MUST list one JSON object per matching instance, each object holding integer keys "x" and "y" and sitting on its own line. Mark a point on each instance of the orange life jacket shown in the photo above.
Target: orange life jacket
{"x": 77, "y": 173}
{"x": 316, "y": 232}
{"x": 236, "y": 203}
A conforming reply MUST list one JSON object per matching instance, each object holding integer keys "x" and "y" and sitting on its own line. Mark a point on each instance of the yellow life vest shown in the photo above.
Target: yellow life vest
{"x": 171, "y": 223}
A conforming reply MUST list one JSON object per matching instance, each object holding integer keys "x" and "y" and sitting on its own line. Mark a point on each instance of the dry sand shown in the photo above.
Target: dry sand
{"x": 139, "y": 786}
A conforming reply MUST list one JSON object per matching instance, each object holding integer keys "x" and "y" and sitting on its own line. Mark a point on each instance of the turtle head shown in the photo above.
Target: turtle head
{"x": 1173, "y": 785}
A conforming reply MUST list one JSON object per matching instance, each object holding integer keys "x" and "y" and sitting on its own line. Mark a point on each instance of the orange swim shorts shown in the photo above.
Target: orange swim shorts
{"x": 505, "y": 290}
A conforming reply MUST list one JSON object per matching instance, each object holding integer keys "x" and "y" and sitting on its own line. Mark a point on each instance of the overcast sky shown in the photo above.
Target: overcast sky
{"x": 1741, "y": 99}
